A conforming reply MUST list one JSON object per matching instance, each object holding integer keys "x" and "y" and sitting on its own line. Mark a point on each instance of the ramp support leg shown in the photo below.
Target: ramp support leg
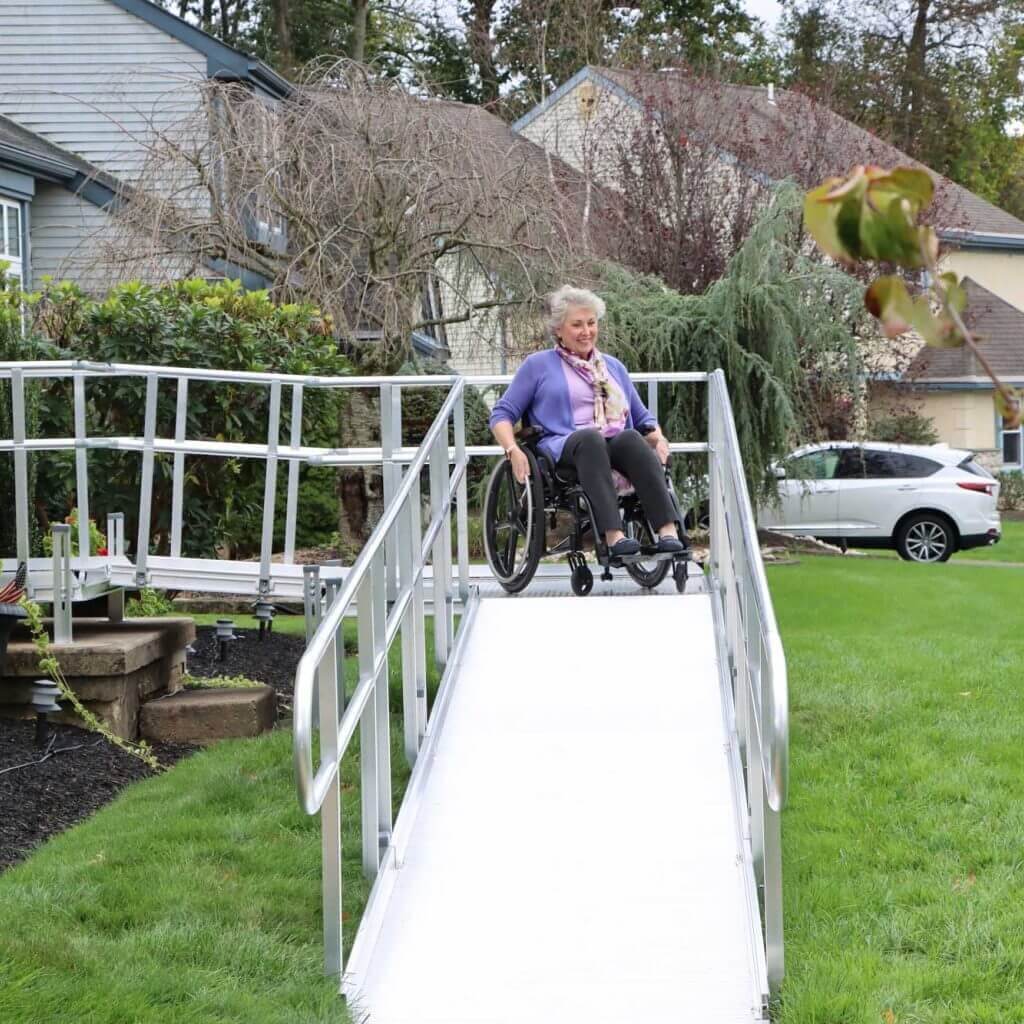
{"x": 328, "y": 684}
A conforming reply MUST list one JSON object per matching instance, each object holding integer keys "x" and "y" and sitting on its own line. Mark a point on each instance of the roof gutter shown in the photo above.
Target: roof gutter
{"x": 982, "y": 239}
{"x": 36, "y": 165}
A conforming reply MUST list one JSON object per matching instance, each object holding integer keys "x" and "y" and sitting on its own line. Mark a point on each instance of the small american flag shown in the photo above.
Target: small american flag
{"x": 13, "y": 591}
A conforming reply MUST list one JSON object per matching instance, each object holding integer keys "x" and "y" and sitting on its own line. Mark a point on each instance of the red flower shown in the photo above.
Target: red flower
{"x": 102, "y": 551}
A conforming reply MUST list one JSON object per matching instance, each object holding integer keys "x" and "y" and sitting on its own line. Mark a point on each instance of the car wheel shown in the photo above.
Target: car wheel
{"x": 925, "y": 538}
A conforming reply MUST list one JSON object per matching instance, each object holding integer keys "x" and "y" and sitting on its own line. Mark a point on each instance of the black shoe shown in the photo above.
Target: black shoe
{"x": 669, "y": 545}
{"x": 625, "y": 546}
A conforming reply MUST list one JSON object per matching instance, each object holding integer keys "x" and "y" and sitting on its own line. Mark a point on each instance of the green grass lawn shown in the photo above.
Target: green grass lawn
{"x": 904, "y": 875}
{"x": 1009, "y": 549}
{"x": 195, "y": 897}
{"x": 291, "y": 625}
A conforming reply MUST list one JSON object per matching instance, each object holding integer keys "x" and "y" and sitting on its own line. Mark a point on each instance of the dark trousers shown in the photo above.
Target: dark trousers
{"x": 593, "y": 458}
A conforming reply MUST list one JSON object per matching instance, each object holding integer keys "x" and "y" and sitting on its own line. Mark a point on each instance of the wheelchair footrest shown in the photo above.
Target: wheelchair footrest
{"x": 648, "y": 555}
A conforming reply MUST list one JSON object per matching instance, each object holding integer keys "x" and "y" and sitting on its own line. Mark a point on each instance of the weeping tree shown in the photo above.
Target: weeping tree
{"x": 783, "y": 326}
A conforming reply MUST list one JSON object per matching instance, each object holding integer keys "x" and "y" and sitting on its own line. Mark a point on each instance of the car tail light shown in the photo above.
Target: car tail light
{"x": 979, "y": 486}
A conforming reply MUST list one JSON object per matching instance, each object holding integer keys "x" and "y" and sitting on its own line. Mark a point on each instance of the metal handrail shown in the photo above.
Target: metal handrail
{"x": 750, "y": 649}
{"x": 68, "y": 367}
{"x": 775, "y": 745}
{"x": 311, "y": 787}
{"x": 393, "y": 557}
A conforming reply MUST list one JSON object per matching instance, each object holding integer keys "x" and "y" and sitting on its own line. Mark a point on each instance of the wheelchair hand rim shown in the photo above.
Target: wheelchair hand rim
{"x": 499, "y": 569}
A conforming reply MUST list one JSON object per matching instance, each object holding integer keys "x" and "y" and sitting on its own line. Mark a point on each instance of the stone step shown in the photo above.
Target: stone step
{"x": 205, "y": 716}
{"x": 113, "y": 667}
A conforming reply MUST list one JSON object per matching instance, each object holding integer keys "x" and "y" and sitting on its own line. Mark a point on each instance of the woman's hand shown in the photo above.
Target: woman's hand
{"x": 657, "y": 440}
{"x": 520, "y": 464}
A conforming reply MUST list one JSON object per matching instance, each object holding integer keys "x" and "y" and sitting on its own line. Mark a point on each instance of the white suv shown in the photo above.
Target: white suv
{"x": 924, "y": 501}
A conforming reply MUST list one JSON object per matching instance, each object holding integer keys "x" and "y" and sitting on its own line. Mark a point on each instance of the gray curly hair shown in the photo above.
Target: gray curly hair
{"x": 560, "y": 300}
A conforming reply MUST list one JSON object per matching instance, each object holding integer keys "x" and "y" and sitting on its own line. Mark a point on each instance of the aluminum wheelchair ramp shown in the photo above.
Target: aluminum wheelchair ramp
{"x": 575, "y": 853}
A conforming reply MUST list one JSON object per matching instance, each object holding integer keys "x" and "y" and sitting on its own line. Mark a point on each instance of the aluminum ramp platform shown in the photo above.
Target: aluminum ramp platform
{"x": 575, "y": 852}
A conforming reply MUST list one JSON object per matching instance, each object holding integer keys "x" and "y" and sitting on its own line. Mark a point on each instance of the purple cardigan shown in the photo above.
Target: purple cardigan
{"x": 540, "y": 392}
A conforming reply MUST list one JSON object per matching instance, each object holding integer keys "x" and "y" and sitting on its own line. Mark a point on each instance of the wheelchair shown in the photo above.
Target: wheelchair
{"x": 516, "y": 519}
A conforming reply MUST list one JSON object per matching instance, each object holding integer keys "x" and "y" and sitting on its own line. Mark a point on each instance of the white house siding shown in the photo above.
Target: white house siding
{"x": 68, "y": 235}
{"x": 93, "y": 78}
{"x": 584, "y": 144}
{"x": 485, "y": 343}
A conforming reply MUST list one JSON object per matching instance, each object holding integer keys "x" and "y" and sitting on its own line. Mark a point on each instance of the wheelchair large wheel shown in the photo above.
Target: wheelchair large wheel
{"x": 647, "y": 574}
{"x": 514, "y": 525}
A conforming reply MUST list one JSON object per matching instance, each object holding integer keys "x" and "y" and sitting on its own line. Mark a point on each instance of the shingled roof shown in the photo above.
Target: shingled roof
{"x": 1000, "y": 330}
{"x": 837, "y": 143}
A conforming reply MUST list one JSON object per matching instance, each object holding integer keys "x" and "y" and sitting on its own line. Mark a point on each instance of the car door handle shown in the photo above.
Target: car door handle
{"x": 907, "y": 487}
{"x": 829, "y": 490}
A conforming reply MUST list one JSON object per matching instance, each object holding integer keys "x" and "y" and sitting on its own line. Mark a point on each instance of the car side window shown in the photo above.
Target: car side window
{"x": 915, "y": 465}
{"x": 819, "y": 465}
{"x": 866, "y": 464}
{"x": 851, "y": 464}
{"x": 881, "y": 465}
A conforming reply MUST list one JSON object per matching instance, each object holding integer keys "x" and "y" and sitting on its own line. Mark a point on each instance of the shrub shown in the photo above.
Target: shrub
{"x": 1011, "y": 490}
{"x": 903, "y": 428}
{"x": 188, "y": 323}
{"x": 149, "y": 604}
{"x": 97, "y": 539}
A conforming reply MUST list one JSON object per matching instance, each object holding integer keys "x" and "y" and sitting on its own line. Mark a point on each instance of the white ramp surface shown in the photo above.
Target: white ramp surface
{"x": 575, "y": 855}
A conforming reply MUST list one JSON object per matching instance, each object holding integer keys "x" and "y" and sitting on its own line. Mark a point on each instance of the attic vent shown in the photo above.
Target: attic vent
{"x": 586, "y": 99}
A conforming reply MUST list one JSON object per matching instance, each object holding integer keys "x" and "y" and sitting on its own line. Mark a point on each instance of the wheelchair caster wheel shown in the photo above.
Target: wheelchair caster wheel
{"x": 679, "y": 573}
{"x": 581, "y": 581}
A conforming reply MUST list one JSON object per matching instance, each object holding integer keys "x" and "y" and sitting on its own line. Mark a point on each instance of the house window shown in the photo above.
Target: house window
{"x": 12, "y": 241}
{"x": 1011, "y": 448}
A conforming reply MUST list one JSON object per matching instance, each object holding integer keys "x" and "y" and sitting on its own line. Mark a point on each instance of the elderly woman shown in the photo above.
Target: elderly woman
{"x": 591, "y": 421}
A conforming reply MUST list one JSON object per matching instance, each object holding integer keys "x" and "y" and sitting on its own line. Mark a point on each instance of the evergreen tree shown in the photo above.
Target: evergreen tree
{"x": 782, "y": 326}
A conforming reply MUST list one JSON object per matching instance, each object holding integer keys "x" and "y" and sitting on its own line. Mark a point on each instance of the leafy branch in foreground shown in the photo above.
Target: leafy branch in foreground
{"x": 48, "y": 663}
{"x": 872, "y": 215}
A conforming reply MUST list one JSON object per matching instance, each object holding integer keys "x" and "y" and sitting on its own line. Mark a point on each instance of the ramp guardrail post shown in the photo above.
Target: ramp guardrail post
{"x": 81, "y": 467}
{"x": 146, "y": 486}
{"x": 441, "y": 559}
{"x": 62, "y": 583}
{"x": 462, "y": 499}
{"x": 178, "y": 473}
{"x": 270, "y": 485}
{"x": 330, "y": 681}
{"x": 369, "y": 755}
{"x": 294, "y": 467}
{"x": 391, "y": 472}
{"x": 410, "y": 562}
{"x": 21, "y": 527}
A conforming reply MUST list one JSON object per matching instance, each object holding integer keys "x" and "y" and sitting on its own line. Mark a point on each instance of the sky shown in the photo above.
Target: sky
{"x": 768, "y": 11}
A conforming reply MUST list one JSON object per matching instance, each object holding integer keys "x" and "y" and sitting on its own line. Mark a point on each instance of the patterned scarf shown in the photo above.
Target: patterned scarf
{"x": 610, "y": 406}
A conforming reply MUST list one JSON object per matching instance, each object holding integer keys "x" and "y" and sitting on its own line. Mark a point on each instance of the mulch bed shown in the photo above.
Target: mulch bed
{"x": 83, "y": 771}
{"x": 81, "y": 774}
{"x": 271, "y": 661}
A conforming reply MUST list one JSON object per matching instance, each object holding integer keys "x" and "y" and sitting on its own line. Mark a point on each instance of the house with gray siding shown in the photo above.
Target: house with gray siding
{"x": 84, "y": 84}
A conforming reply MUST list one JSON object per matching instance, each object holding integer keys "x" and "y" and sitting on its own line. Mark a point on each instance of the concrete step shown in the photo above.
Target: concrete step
{"x": 205, "y": 716}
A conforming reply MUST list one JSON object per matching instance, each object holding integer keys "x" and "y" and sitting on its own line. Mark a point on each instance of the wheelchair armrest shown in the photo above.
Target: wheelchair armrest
{"x": 528, "y": 434}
